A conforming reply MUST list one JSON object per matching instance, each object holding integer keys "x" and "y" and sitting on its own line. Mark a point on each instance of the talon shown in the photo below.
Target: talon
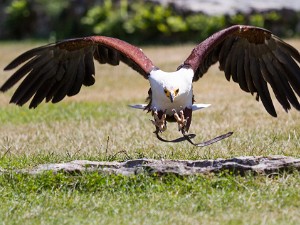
{"x": 160, "y": 124}
{"x": 181, "y": 121}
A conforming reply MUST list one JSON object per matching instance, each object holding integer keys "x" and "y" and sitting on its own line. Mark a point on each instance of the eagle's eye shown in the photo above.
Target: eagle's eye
{"x": 177, "y": 91}
{"x": 167, "y": 93}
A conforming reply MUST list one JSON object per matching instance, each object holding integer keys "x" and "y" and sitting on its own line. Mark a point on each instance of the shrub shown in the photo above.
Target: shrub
{"x": 138, "y": 22}
{"x": 19, "y": 10}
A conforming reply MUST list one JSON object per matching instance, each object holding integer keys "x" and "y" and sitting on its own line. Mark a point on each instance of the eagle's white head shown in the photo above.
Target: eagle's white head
{"x": 171, "y": 90}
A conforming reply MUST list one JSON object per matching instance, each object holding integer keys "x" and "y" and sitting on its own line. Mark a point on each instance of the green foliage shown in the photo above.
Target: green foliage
{"x": 149, "y": 17}
{"x": 149, "y": 23}
{"x": 237, "y": 19}
{"x": 24, "y": 17}
{"x": 19, "y": 10}
{"x": 201, "y": 26}
{"x": 153, "y": 22}
{"x": 146, "y": 22}
{"x": 106, "y": 19}
{"x": 53, "y": 8}
{"x": 272, "y": 16}
{"x": 257, "y": 20}
{"x": 139, "y": 21}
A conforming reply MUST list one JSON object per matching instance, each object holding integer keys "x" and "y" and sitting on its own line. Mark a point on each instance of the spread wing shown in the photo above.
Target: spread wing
{"x": 252, "y": 57}
{"x": 53, "y": 71}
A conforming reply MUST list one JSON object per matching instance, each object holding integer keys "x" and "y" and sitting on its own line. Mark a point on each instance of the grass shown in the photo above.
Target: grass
{"x": 99, "y": 199}
{"x": 98, "y": 125}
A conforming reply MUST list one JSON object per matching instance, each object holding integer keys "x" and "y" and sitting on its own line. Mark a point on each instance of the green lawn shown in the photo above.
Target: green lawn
{"x": 99, "y": 199}
{"x": 98, "y": 125}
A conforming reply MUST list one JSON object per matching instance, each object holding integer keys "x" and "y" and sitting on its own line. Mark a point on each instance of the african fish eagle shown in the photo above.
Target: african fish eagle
{"x": 251, "y": 56}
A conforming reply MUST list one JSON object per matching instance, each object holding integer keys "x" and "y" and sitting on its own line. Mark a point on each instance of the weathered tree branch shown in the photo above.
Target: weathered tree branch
{"x": 239, "y": 165}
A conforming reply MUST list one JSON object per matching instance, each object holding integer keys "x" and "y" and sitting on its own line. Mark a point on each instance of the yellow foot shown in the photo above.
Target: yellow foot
{"x": 160, "y": 123}
{"x": 181, "y": 121}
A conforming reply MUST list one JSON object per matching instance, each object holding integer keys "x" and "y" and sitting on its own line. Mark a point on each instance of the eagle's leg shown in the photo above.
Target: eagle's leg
{"x": 183, "y": 119}
{"x": 159, "y": 120}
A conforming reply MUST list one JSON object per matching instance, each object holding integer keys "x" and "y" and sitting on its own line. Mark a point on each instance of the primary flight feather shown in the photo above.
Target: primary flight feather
{"x": 251, "y": 56}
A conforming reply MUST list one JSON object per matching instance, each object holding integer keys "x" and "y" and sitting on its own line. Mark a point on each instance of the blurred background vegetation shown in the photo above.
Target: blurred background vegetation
{"x": 137, "y": 21}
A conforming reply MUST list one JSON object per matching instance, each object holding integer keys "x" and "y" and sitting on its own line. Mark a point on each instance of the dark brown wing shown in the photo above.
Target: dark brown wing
{"x": 53, "y": 71}
{"x": 252, "y": 57}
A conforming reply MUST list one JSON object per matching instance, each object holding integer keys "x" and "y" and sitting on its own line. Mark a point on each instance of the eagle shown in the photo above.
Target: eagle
{"x": 251, "y": 56}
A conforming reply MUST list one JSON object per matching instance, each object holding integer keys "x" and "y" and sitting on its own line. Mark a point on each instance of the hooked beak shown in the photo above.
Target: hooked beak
{"x": 172, "y": 96}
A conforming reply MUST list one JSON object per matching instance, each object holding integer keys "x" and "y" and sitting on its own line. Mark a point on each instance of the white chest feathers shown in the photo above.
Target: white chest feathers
{"x": 180, "y": 80}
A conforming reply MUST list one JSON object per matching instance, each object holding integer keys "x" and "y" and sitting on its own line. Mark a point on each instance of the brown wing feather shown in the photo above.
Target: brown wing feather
{"x": 252, "y": 57}
{"x": 53, "y": 71}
